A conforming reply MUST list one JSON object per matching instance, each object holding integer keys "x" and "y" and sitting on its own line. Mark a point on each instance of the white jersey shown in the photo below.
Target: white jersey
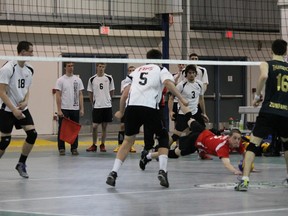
{"x": 191, "y": 92}
{"x": 101, "y": 87}
{"x": 70, "y": 86}
{"x": 202, "y": 75}
{"x": 124, "y": 83}
{"x": 147, "y": 85}
{"x": 18, "y": 80}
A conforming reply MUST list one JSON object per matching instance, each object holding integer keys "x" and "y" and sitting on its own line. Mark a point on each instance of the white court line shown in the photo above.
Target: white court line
{"x": 244, "y": 212}
{"x": 102, "y": 194}
{"x": 36, "y": 213}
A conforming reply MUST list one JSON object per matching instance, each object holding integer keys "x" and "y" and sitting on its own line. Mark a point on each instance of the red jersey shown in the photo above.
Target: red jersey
{"x": 216, "y": 145}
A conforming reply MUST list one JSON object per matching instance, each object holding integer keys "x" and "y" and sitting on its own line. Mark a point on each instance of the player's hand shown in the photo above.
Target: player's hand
{"x": 18, "y": 114}
{"x": 205, "y": 117}
{"x": 118, "y": 115}
{"x": 172, "y": 115}
{"x": 257, "y": 100}
{"x": 22, "y": 105}
{"x": 237, "y": 172}
{"x": 60, "y": 114}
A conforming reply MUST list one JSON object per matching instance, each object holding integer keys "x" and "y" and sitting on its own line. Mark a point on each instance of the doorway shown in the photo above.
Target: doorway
{"x": 226, "y": 90}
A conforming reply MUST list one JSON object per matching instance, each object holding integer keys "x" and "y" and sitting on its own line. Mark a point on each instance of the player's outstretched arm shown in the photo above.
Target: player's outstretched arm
{"x": 226, "y": 162}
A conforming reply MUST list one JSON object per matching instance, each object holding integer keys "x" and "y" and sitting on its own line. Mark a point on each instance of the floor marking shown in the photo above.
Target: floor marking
{"x": 244, "y": 212}
{"x": 111, "y": 191}
{"x": 36, "y": 213}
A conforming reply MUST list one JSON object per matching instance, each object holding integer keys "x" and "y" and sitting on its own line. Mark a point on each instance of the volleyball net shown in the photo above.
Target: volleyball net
{"x": 129, "y": 28}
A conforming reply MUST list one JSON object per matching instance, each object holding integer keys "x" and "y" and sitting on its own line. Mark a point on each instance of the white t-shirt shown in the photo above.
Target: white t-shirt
{"x": 70, "y": 86}
{"x": 191, "y": 92}
{"x": 101, "y": 87}
{"x": 18, "y": 80}
{"x": 147, "y": 85}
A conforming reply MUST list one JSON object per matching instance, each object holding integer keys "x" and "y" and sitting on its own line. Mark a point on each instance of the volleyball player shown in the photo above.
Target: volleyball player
{"x": 15, "y": 81}
{"x": 69, "y": 100}
{"x": 273, "y": 115}
{"x": 100, "y": 89}
{"x": 142, "y": 108}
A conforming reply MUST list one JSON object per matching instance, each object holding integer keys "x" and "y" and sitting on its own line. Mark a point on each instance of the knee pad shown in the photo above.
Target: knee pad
{"x": 163, "y": 139}
{"x": 175, "y": 137}
{"x": 4, "y": 143}
{"x": 252, "y": 147}
{"x": 196, "y": 127}
{"x": 31, "y": 136}
{"x": 121, "y": 135}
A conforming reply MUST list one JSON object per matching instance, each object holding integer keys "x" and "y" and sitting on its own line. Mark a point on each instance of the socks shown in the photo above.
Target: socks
{"x": 117, "y": 164}
{"x": 163, "y": 159}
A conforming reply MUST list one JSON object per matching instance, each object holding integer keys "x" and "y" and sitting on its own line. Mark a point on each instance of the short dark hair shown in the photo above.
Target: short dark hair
{"x": 65, "y": 63}
{"x": 23, "y": 45}
{"x": 279, "y": 47}
{"x": 192, "y": 54}
{"x": 235, "y": 130}
{"x": 154, "y": 54}
{"x": 190, "y": 67}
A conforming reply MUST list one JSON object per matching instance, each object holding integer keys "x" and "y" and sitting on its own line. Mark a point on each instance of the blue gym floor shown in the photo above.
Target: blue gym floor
{"x": 75, "y": 185}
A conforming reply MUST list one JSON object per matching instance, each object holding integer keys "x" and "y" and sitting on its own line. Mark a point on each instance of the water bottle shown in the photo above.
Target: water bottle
{"x": 231, "y": 123}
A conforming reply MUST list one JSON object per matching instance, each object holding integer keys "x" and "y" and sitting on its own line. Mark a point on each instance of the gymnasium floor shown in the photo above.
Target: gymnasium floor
{"x": 75, "y": 185}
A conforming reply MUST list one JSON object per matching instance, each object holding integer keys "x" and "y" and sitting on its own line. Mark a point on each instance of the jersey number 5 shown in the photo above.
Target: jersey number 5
{"x": 143, "y": 79}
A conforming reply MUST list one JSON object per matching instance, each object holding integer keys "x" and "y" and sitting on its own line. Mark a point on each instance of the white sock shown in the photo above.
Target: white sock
{"x": 149, "y": 156}
{"x": 245, "y": 178}
{"x": 117, "y": 164}
{"x": 163, "y": 159}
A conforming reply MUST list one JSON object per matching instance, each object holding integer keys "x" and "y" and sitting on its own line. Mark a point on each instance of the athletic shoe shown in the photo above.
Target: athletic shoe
{"x": 144, "y": 160}
{"x": 117, "y": 148}
{"x": 74, "y": 152}
{"x": 163, "y": 178}
{"x": 111, "y": 179}
{"x": 204, "y": 156}
{"x": 92, "y": 148}
{"x": 242, "y": 185}
{"x": 132, "y": 150}
{"x": 21, "y": 168}
{"x": 62, "y": 152}
{"x": 102, "y": 148}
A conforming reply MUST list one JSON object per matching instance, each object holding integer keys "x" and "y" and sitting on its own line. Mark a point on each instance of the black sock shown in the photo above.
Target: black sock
{"x": 23, "y": 159}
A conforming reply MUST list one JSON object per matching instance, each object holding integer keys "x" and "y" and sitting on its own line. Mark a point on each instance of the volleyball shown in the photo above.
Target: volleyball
{"x": 241, "y": 166}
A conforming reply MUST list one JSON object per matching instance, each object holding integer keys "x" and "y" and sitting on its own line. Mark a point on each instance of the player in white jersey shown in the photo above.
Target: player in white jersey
{"x": 100, "y": 89}
{"x": 192, "y": 90}
{"x": 142, "y": 108}
{"x": 15, "y": 80}
{"x": 69, "y": 100}
{"x": 121, "y": 133}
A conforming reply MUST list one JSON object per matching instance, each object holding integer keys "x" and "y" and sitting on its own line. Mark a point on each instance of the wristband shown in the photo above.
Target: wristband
{"x": 257, "y": 97}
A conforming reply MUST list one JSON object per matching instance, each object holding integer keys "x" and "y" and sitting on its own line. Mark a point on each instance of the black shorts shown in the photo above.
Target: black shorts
{"x": 267, "y": 124}
{"x": 101, "y": 115}
{"x": 8, "y": 120}
{"x": 181, "y": 122}
{"x": 187, "y": 143}
{"x": 150, "y": 118}
{"x": 175, "y": 110}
